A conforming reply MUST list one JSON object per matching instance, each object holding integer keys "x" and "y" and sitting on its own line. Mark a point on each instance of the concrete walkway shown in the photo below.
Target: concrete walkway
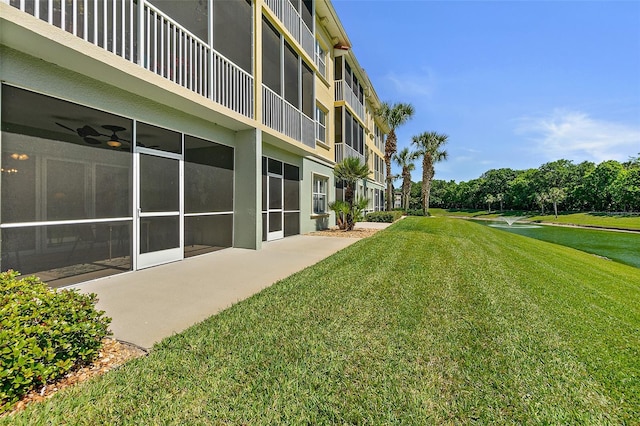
{"x": 151, "y": 304}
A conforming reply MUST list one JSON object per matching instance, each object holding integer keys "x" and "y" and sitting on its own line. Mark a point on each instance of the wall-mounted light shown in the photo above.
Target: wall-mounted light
{"x": 8, "y": 171}
{"x": 19, "y": 157}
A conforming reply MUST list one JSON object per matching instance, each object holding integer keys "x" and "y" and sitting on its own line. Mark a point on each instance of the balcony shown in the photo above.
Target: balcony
{"x": 281, "y": 116}
{"x": 345, "y": 151}
{"x": 289, "y": 16}
{"x": 138, "y": 32}
{"x": 345, "y": 93}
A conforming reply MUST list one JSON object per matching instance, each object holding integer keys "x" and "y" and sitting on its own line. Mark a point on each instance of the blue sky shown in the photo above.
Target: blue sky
{"x": 513, "y": 83}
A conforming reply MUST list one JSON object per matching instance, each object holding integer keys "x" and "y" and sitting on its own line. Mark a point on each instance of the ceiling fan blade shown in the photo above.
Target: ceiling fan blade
{"x": 91, "y": 141}
{"x": 65, "y": 127}
{"x": 87, "y": 130}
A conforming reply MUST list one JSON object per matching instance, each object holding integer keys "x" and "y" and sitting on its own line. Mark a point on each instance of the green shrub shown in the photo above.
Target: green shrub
{"x": 387, "y": 217}
{"x": 44, "y": 333}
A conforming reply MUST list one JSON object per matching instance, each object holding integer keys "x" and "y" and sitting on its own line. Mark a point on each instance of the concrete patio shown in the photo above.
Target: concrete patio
{"x": 149, "y": 305}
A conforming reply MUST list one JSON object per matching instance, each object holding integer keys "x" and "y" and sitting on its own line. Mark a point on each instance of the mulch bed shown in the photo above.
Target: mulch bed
{"x": 112, "y": 355}
{"x": 335, "y": 232}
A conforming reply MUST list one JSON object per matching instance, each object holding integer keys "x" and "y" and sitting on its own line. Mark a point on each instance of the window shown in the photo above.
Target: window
{"x": 321, "y": 125}
{"x": 308, "y": 98}
{"x": 272, "y": 66}
{"x": 320, "y": 59}
{"x": 320, "y": 184}
{"x": 291, "y": 76}
{"x": 232, "y": 30}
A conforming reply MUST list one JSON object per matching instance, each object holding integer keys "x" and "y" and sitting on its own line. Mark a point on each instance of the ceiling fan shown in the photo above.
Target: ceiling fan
{"x": 89, "y": 134}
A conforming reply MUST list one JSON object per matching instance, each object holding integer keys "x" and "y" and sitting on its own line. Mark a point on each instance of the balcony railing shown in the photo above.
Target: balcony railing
{"x": 344, "y": 93}
{"x": 345, "y": 151}
{"x": 289, "y": 16}
{"x": 138, "y": 32}
{"x": 283, "y": 117}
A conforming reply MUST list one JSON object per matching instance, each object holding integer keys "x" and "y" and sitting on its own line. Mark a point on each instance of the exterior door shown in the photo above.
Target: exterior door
{"x": 275, "y": 211}
{"x": 160, "y": 215}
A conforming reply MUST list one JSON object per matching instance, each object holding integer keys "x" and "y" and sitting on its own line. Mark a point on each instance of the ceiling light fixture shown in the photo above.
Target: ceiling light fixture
{"x": 114, "y": 140}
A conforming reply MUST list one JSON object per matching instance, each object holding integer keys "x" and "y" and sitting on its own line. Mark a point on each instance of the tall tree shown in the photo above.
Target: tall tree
{"x": 489, "y": 199}
{"x": 404, "y": 159}
{"x": 350, "y": 171}
{"x": 429, "y": 146}
{"x": 395, "y": 116}
{"x": 556, "y": 195}
{"x": 500, "y": 199}
{"x": 541, "y": 199}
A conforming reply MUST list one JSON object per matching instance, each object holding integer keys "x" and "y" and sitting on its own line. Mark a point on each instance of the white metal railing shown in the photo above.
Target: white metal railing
{"x": 231, "y": 86}
{"x": 307, "y": 40}
{"x": 345, "y": 93}
{"x": 108, "y": 24}
{"x": 345, "y": 151}
{"x": 292, "y": 124}
{"x": 137, "y": 31}
{"x": 290, "y": 17}
{"x": 173, "y": 52}
{"x": 272, "y": 109}
{"x": 280, "y": 115}
{"x": 308, "y": 131}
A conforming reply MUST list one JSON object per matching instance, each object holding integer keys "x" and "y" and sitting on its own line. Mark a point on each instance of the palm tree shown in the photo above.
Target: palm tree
{"x": 429, "y": 147}
{"x": 500, "y": 199}
{"x": 556, "y": 195}
{"x": 394, "y": 115}
{"x": 350, "y": 171}
{"x": 541, "y": 199}
{"x": 489, "y": 199}
{"x": 404, "y": 159}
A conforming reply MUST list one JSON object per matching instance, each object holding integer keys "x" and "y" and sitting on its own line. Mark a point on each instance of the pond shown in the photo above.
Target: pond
{"x": 623, "y": 247}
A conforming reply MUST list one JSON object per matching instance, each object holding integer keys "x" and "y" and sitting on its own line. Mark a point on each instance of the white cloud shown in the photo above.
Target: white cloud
{"x": 414, "y": 84}
{"x": 575, "y": 135}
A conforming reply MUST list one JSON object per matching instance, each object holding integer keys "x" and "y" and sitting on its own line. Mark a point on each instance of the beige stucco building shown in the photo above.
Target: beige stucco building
{"x": 140, "y": 132}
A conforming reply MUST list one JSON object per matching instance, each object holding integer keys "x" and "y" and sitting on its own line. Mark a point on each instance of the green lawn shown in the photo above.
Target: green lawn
{"x": 593, "y": 219}
{"x": 434, "y": 320}
{"x": 603, "y": 220}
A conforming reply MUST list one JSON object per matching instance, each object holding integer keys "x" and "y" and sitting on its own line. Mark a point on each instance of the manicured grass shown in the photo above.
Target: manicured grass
{"x": 603, "y": 220}
{"x": 434, "y": 320}
{"x": 593, "y": 219}
{"x": 619, "y": 246}
{"x": 458, "y": 212}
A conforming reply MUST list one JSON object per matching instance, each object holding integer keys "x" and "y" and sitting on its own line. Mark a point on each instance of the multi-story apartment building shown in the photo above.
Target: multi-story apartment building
{"x": 140, "y": 132}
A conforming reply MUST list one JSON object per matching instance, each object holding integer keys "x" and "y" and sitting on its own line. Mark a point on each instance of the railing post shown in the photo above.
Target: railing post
{"x": 211, "y": 75}
{"x": 140, "y": 34}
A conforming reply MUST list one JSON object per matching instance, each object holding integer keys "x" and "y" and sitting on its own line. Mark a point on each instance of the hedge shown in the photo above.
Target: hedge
{"x": 44, "y": 333}
{"x": 387, "y": 217}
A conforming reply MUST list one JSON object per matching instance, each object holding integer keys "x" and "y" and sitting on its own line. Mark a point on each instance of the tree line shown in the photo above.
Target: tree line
{"x": 610, "y": 186}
